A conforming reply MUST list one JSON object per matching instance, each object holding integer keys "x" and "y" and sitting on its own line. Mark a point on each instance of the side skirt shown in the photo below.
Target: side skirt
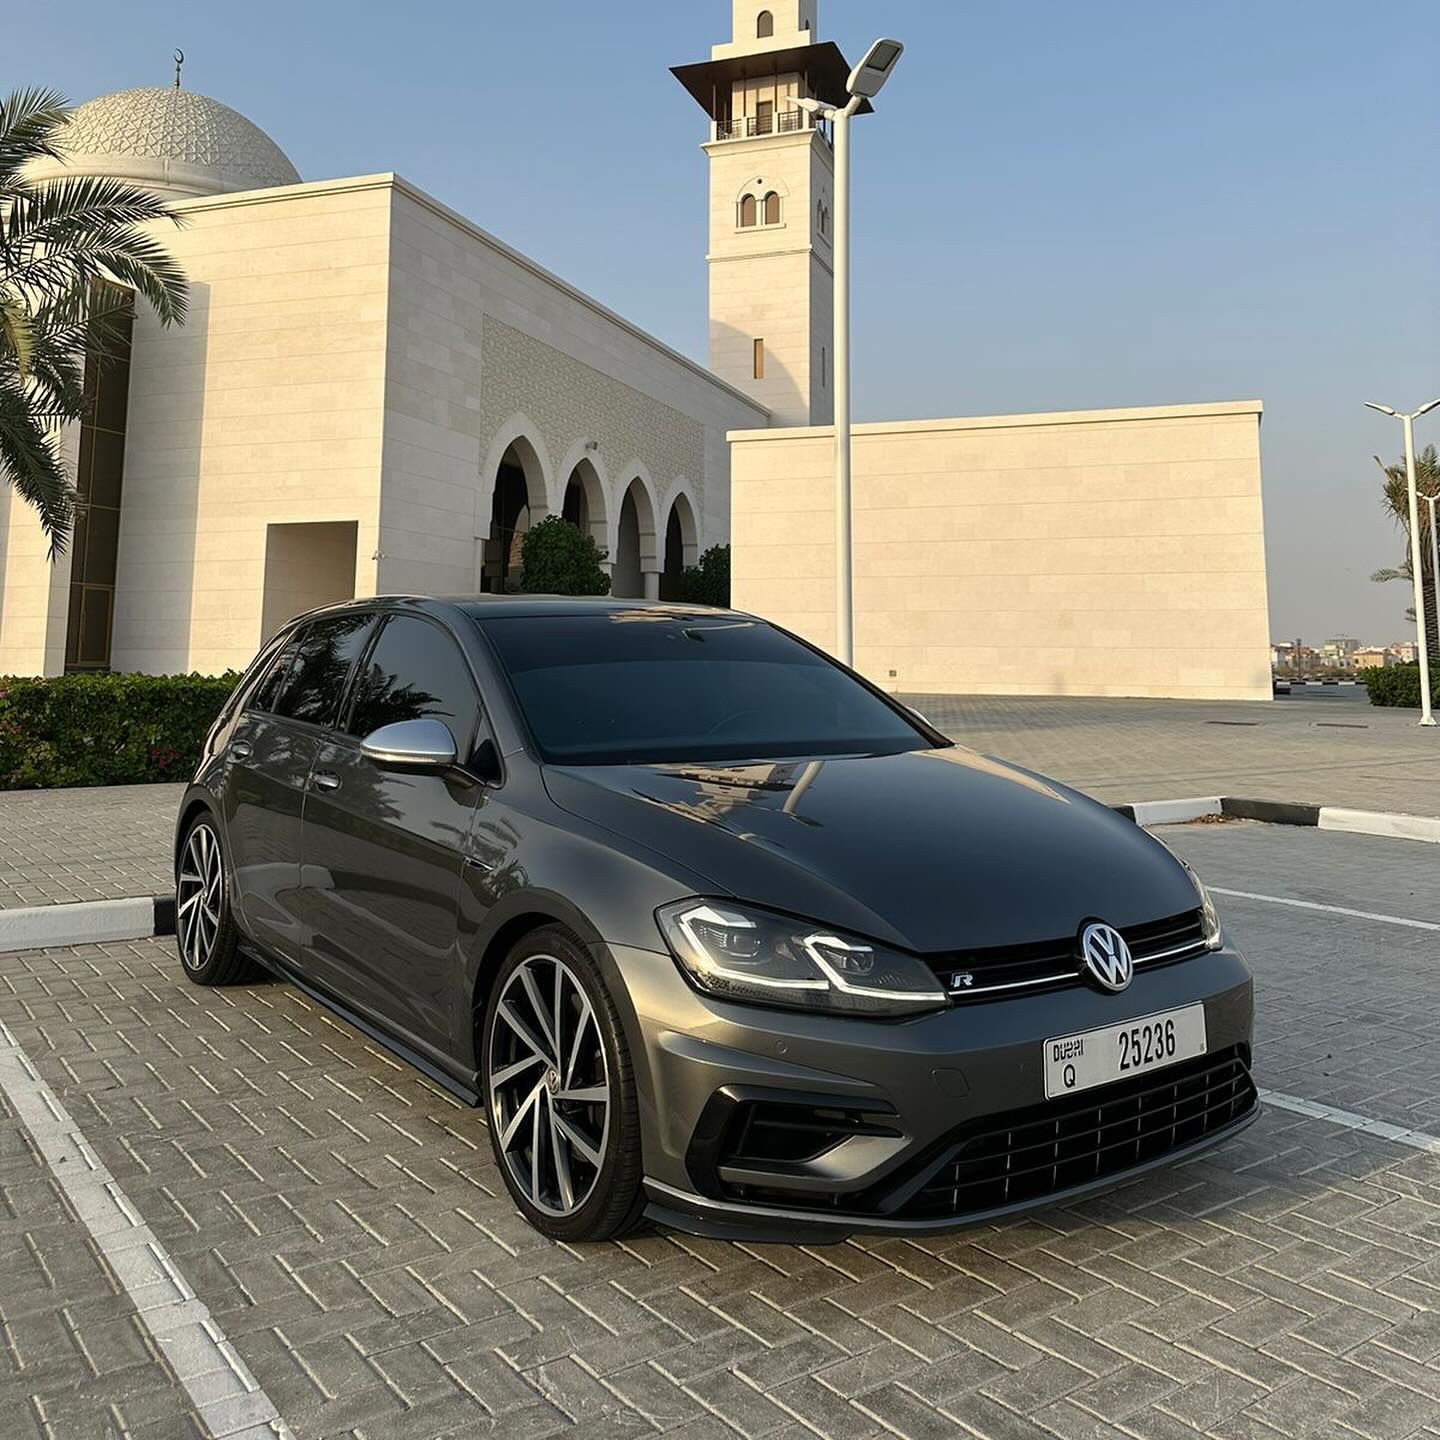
{"x": 466, "y": 1089}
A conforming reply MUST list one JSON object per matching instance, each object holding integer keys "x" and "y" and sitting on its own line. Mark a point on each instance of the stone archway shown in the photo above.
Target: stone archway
{"x": 584, "y": 502}
{"x": 636, "y": 567}
{"x": 682, "y": 546}
{"x": 517, "y": 502}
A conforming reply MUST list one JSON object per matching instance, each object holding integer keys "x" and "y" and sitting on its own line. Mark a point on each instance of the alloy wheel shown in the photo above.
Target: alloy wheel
{"x": 198, "y": 897}
{"x": 549, "y": 1085}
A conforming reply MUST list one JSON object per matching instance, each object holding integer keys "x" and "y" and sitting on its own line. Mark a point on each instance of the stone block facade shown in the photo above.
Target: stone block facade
{"x": 1111, "y": 552}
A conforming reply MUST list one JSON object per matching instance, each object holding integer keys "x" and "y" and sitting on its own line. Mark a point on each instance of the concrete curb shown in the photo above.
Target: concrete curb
{"x": 1282, "y": 812}
{"x": 87, "y": 922}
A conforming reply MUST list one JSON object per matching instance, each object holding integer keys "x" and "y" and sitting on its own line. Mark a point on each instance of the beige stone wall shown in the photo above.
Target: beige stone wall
{"x": 265, "y": 408}
{"x": 1115, "y": 552}
{"x": 34, "y": 589}
{"x": 485, "y": 348}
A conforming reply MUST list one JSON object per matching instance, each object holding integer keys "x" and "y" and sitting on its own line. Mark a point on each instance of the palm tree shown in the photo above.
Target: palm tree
{"x": 1395, "y": 491}
{"x": 71, "y": 249}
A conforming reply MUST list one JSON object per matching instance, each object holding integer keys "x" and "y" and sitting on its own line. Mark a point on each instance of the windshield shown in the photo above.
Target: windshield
{"x": 646, "y": 687}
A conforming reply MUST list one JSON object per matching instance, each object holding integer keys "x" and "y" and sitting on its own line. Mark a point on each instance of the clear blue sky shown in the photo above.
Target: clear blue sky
{"x": 1063, "y": 204}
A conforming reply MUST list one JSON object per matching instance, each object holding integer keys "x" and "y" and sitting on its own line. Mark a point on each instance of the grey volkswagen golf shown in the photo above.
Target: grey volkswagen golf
{"x": 714, "y": 931}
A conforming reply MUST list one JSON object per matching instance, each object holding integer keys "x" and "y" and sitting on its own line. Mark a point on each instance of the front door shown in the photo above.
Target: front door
{"x": 383, "y": 850}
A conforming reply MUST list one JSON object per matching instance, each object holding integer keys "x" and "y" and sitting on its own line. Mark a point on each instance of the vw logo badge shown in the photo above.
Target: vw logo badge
{"x": 1107, "y": 957}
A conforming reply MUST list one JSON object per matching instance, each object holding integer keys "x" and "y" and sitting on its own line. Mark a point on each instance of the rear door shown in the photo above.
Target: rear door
{"x": 383, "y": 850}
{"x": 268, "y": 761}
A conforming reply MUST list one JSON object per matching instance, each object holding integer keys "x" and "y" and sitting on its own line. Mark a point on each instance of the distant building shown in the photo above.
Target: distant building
{"x": 1373, "y": 657}
{"x": 1339, "y": 653}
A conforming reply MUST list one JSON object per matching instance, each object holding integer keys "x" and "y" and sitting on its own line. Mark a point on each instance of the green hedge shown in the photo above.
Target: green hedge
{"x": 105, "y": 729}
{"x": 1399, "y": 685}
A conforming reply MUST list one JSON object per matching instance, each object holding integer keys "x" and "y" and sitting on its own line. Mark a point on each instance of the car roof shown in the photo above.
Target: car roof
{"x": 494, "y": 607}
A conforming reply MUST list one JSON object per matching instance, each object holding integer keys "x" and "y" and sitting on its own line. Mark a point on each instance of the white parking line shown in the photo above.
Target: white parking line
{"x": 1415, "y": 1139}
{"x": 226, "y": 1396}
{"x": 1328, "y": 909}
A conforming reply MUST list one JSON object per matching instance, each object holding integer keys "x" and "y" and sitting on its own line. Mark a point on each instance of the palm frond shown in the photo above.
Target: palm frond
{"x": 73, "y": 209}
{"x": 73, "y": 252}
{"x": 28, "y": 121}
{"x": 146, "y": 265}
{"x": 17, "y": 331}
{"x": 30, "y": 461}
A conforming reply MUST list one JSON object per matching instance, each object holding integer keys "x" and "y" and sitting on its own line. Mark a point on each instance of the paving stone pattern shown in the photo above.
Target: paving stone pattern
{"x": 1330, "y": 752}
{"x": 345, "y": 1225}
{"x": 100, "y": 844}
{"x": 75, "y": 1360}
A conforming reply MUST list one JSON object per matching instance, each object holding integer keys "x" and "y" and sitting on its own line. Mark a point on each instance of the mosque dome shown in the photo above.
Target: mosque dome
{"x": 169, "y": 140}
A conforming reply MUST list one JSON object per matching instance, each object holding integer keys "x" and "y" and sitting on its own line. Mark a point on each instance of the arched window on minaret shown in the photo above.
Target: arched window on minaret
{"x": 772, "y": 209}
{"x": 749, "y": 212}
{"x": 765, "y": 25}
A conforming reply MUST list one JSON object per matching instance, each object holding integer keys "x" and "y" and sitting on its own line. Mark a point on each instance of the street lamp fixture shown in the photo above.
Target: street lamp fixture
{"x": 866, "y": 81}
{"x": 1422, "y": 648}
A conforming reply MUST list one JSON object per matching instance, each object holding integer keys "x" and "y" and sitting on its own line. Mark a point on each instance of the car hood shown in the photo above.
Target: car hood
{"x": 932, "y": 850}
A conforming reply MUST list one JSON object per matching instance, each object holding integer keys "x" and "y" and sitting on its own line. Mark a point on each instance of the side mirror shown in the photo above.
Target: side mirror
{"x": 418, "y": 745}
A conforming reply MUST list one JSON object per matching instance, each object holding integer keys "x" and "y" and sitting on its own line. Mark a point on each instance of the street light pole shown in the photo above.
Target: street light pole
{"x": 844, "y": 508}
{"x": 866, "y": 81}
{"x": 1422, "y": 647}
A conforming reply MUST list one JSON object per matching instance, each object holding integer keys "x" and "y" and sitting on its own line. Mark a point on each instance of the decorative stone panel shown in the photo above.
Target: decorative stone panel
{"x": 570, "y": 401}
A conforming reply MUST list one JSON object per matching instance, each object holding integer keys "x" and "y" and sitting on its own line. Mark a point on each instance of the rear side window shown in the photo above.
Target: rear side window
{"x": 320, "y": 665}
{"x": 274, "y": 682}
{"x": 415, "y": 672}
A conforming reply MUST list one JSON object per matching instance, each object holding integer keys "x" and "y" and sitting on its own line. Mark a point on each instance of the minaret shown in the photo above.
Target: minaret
{"x": 771, "y": 204}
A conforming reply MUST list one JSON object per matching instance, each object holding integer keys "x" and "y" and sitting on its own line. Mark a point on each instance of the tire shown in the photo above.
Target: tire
{"x": 547, "y": 1127}
{"x": 206, "y": 936}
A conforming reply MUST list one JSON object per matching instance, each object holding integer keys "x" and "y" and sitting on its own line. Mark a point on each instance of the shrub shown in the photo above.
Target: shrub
{"x": 1399, "y": 685}
{"x": 708, "y": 583}
{"x": 558, "y": 558}
{"x": 105, "y": 729}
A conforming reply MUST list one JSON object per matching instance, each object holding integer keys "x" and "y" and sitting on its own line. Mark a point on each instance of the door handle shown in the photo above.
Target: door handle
{"x": 241, "y": 749}
{"x": 324, "y": 780}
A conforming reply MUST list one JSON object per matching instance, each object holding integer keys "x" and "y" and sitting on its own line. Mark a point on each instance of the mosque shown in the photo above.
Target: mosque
{"x": 373, "y": 395}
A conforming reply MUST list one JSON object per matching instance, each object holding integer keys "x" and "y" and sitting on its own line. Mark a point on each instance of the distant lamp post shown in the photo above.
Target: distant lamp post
{"x": 866, "y": 81}
{"x": 1422, "y": 647}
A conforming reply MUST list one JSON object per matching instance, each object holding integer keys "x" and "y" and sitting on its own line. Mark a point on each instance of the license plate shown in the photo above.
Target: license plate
{"x": 1116, "y": 1052}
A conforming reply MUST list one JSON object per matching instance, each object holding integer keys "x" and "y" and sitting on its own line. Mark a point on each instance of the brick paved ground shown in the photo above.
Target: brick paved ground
{"x": 347, "y": 1229}
{"x": 75, "y": 1358}
{"x": 102, "y": 844}
{"x": 1326, "y": 751}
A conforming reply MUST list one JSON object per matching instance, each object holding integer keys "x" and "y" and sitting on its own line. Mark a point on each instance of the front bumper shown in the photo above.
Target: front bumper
{"x": 906, "y": 1105}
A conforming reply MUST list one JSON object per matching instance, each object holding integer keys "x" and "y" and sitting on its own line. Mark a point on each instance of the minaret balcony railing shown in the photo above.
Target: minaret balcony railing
{"x": 749, "y": 127}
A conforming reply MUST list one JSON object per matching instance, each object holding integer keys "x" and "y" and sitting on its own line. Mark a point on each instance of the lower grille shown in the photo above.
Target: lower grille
{"x": 768, "y": 1136}
{"x": 1029, "y": 1154}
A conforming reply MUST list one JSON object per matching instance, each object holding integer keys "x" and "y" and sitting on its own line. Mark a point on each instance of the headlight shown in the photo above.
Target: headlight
{"x": 1210, "y": 917}
{"x": 764, "y": 959}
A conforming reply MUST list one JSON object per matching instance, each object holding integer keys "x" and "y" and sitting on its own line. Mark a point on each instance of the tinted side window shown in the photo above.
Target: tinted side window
{"x": 274, "y": 682}
{"x": 321, "y": 665}
{"x": 415, "y": 672}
